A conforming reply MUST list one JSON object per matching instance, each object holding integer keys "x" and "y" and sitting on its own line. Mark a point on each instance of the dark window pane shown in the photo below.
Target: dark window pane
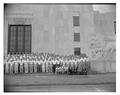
{"x": 19, "y": 39}
{"x": 115, "y": 26}
{"x": 77, "y": 51}
{"x": 76, "y": 36}
{"x": 76, "y": 21}
{"x": 12, "y": 38}
{"x": 27, "y": 38}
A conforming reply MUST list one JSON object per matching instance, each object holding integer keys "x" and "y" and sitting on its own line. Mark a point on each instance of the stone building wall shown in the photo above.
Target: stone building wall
{"x": 52, "y": 26}
{"x": 53, "y": 30}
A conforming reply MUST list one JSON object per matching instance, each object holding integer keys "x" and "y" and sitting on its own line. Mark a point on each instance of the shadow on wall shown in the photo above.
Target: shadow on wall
{"x": 102, "y": 66}
{"x": 105, "y": 59}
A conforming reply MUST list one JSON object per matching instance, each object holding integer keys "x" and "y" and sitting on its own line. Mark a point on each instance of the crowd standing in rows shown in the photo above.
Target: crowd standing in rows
{"x": 45, "y": 62}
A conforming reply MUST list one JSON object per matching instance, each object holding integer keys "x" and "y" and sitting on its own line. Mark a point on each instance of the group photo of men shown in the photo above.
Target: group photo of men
{"x": 45, "y": 62}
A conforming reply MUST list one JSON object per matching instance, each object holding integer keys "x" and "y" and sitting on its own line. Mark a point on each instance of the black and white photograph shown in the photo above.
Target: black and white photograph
{"x": 59, "y": 47}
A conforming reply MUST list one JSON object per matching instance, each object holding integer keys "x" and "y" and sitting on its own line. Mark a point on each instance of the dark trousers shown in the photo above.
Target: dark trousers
{"x": 53, "y": 68}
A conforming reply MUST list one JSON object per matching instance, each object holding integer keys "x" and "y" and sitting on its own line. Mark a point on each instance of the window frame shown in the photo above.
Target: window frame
{"x": 76, "y": 37}
{"x": 115, "y": 27}
{"x": 76, "y": 20}
{"x": 16, "y": 40}
{"x": 75, "y": 51}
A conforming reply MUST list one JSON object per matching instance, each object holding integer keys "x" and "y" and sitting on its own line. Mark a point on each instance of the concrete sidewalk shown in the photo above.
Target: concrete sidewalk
{"x": 54, "y": 79}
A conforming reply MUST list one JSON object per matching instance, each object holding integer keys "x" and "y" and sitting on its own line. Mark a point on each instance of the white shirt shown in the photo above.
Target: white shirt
{"x": 54, "y": 62}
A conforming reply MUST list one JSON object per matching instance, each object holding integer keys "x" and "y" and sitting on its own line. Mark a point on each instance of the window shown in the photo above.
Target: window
{"x": 115, "y": 26}
{"x": 76, "y": 21}
{"x": 19, "y": 39}
{"x": 77, "y": 51}
{"x": 77, "y": 37}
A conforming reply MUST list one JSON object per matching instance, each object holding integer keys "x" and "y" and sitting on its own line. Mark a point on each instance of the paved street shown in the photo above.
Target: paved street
{"x": 65, "y": 88}
{"x": 60, "y": 83}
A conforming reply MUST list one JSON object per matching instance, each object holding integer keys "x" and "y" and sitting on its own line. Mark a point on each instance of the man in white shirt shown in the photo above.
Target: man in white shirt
{"x": 35, "y": 65}
{"x": 73, "y": 65}
{"x": 16, "y": 66}
{"x": 6, "y": 67}
{"x": 46, "y": 65}
{"x": 49, "y": 66}
{"x": 39, "y": 65}
{"x": 87, "y": 66}
{"x": 21, "y": 66}
{"x": 26, "y": 65}
{"x": 43, "y": 65}
{"x": 23, "y": 61}
{"x": 11, "y": 67}
{"x": 83, "y": 66}
{"x": 75, "y": 61}
{"x": 79, "y": 66}
{"x": 31, "y": 66}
